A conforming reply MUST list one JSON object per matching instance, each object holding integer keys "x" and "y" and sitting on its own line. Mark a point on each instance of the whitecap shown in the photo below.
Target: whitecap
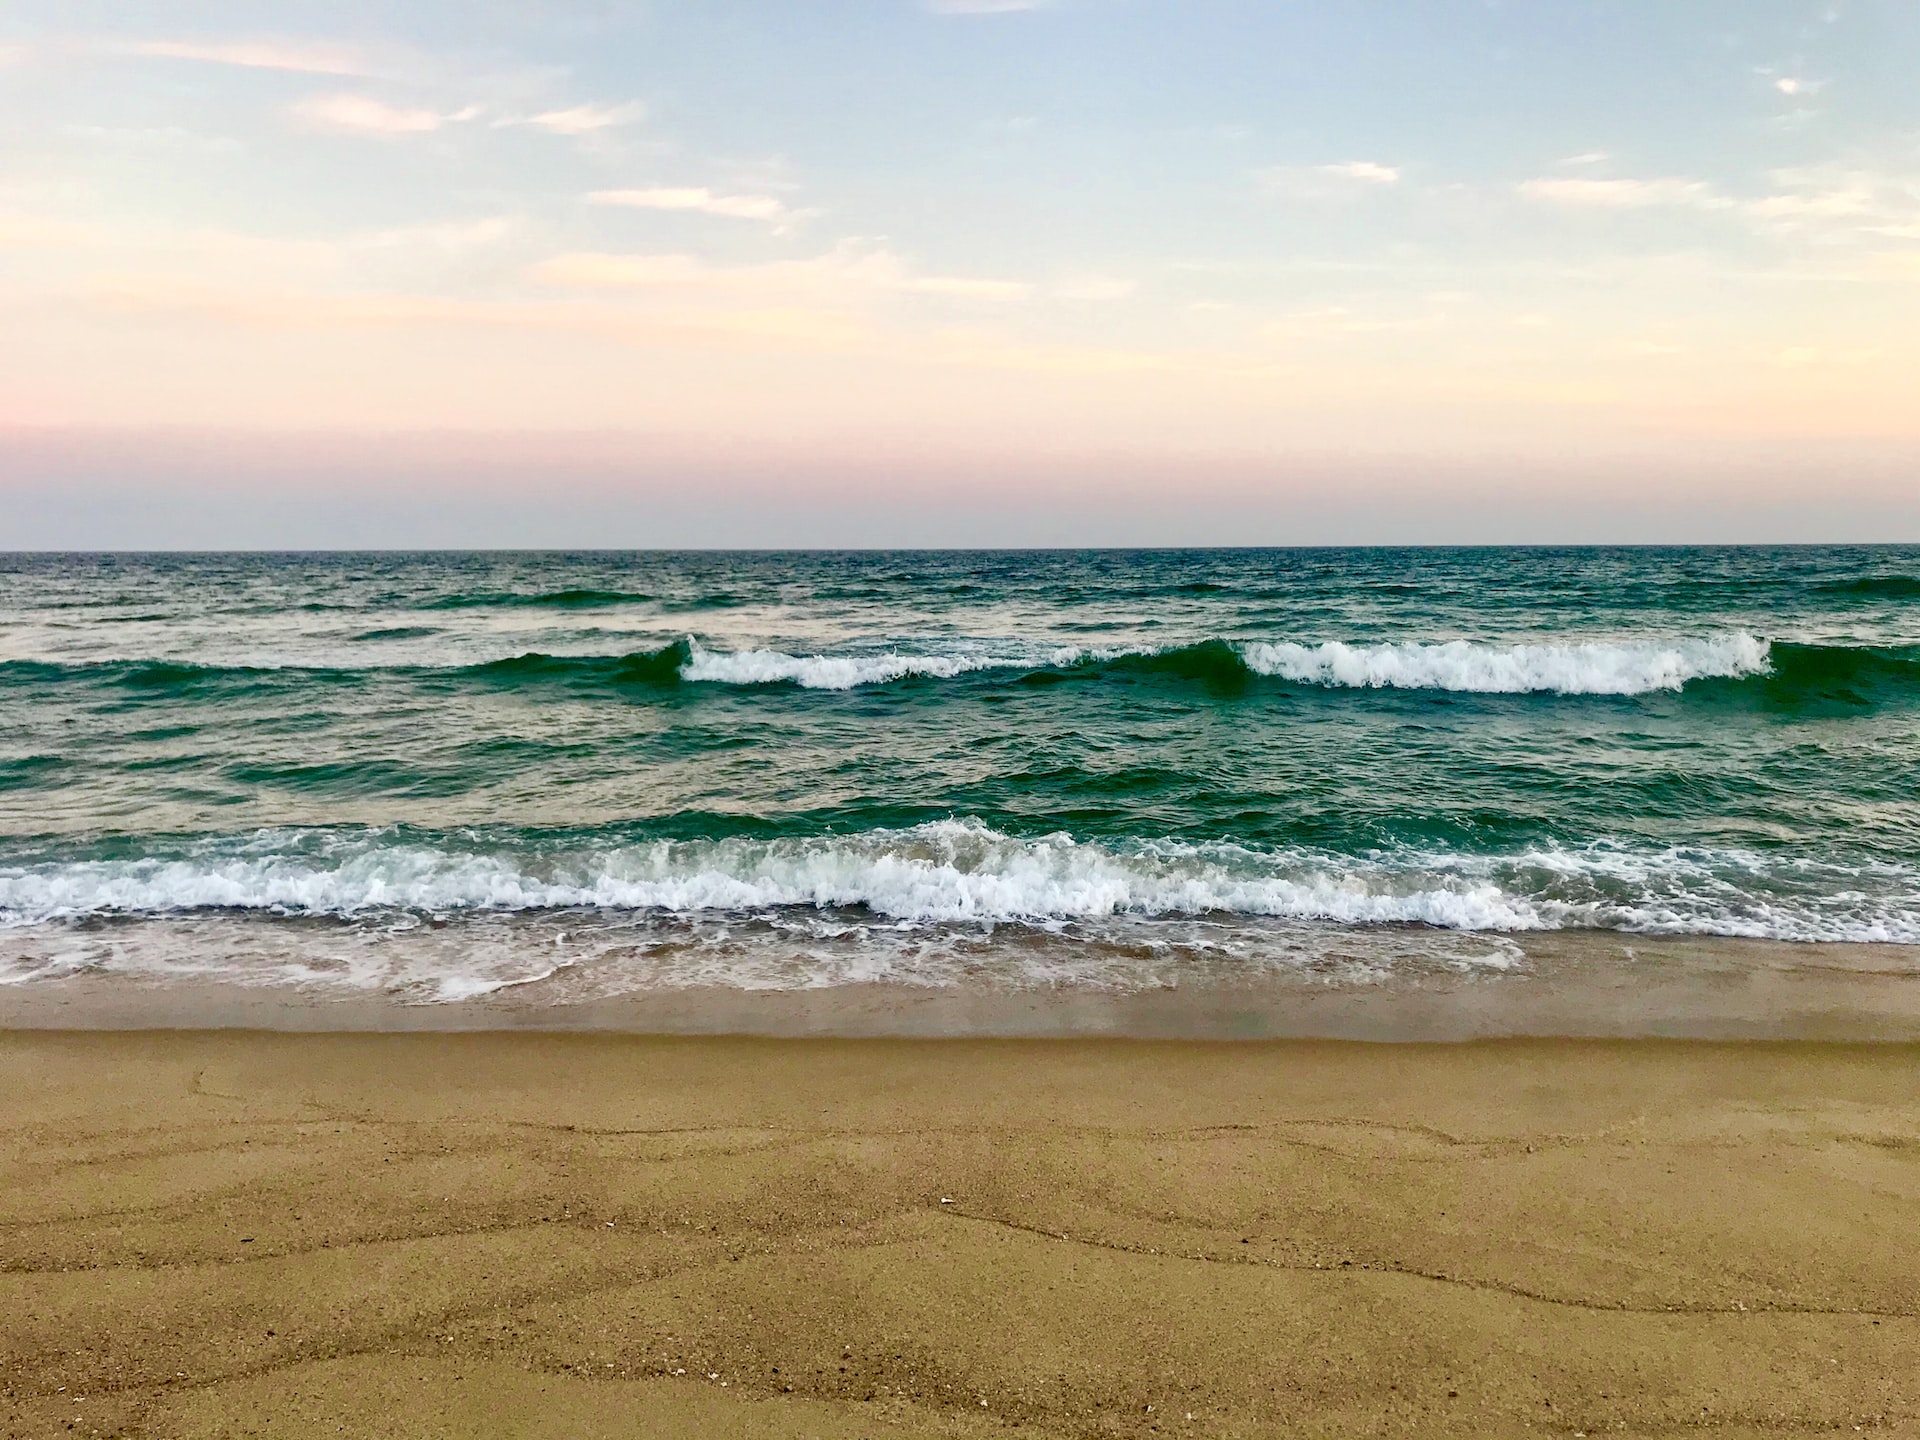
{"x": 1596, "y": 667}
{"x": 961, "y": 872}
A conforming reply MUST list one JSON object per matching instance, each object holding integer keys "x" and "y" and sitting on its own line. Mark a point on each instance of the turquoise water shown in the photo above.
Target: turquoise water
{"x": 799, "y": 769}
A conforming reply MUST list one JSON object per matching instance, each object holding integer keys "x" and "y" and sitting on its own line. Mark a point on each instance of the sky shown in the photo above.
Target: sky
{"x": 975, "y": 272}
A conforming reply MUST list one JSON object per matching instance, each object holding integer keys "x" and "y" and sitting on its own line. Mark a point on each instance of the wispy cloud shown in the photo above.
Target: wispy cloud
{"x": 1839, "y": 201}
{"x": 363, "y": 115}
{"x": 1587, "y": 157}
{"x": 1366, "y": 171}
{"x": 238, "y": 259}
{"x": 584, "y": 119}
{"x": 1842, "y": 204}
{"x": 598, "y": 270}
{"x": 1789, "y": 84}
{"x": 13, "y": 55}
{"x": 1624, "y": 194}
{"x": 507, "y": 87}
{"x": 300, "y": 57}
{"x": 698, "y": 200}
{"x": 1342, "y": 180}
{"x": 313, "y": 310}
{"x": 845, "y": 273}
{"x": 1800, "y": 357}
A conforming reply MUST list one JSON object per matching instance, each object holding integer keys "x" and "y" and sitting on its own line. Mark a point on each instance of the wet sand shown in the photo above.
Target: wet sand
{"x": 1589, "y": 984}
{"x": 596, "y": 1235}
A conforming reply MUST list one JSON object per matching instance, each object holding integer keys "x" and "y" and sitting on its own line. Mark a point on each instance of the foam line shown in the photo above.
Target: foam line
{"x": 962, "y": 872}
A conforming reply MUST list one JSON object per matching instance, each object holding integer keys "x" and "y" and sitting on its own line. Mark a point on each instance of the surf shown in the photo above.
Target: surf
{"x": 964, "y": 872}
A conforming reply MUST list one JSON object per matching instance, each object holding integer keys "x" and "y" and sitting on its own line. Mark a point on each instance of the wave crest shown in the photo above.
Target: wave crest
{"x": 962, "y": 872}
{"x": 821, "y": 672}
{"x": 1782, "y": 674}
{"x": 1572, "y": 668}
{"x": 1585, "y": 668}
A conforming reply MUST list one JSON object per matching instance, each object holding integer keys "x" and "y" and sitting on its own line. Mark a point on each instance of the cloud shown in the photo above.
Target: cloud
{"x": 1799, "y": 357}
{"x": 1795, "y": 85}
{"x": 1841, "y": 204}
{"x": 697, "y": 200}
{"x": 1827, "y": 204}
{"x": 363, "y": 115}
{"x": 959, "y": 287}
{"x": 1333, "y": 320}
{"x": 1364, "y": 170}
{"x": 585, "y": 119}
{"x": 1624, "y": 194}
{"x": 983, "y": 7}
{"x": 13, "y": 55}
{"x": 848, "y": 271}
{"x": 1588, "y": 157}
{"x": 990, "y": 352}
{"x": 256, "y": 55}
{"x": 284, "y": 309}
{"x": 1342, "y": 181}
{"x": 596, "y": 270}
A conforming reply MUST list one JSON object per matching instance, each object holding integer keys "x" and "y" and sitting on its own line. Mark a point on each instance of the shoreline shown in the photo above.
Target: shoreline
{"x": 1568, "y": 984}
{"x": 226, "y": 1234}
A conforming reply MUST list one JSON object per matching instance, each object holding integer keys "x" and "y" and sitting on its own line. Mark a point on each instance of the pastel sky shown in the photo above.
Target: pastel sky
{"x": 968, "y": 271}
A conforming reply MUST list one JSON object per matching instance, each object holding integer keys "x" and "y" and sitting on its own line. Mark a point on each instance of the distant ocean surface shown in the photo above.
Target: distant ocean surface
{"x": 439, "y": 776}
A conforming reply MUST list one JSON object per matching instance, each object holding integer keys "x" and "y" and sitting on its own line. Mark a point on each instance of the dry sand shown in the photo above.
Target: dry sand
{"x": 585, "y": 1236}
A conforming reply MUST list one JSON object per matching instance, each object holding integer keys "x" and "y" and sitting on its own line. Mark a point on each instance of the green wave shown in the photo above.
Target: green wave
{"x": 1801, "y": 675}
{"x": 554, "y": 600}
{"x": 1847, "y": 674}
{"x": 643, "y": 667}
{"x": 1890, "y": 587}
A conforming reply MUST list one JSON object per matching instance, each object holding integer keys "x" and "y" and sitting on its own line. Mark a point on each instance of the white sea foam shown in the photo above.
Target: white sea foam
{"x": 570, "y": 957}
{"x": 1617, "y": 667}
{"x": 962, "y": 873}
{"x": 945, "y": 872}
{"x": 836, "y": 672}
{"x": 1572, "y": 667}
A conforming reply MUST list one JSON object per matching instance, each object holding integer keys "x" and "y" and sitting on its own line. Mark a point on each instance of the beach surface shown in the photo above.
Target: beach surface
{"x": 601, "y": 1235}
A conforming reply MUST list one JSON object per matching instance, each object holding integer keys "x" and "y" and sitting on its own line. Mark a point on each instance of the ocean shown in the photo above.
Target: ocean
{"x": 434, "y": 779}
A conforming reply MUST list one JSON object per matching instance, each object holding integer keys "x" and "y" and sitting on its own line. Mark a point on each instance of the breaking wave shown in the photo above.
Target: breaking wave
{"x": 1584, "y": 668}
{"x": 828, "y": 672}
{"x": 965, "y": 873}
{"x": 1569, "y": 668}
{"x": 1784, "y": 671}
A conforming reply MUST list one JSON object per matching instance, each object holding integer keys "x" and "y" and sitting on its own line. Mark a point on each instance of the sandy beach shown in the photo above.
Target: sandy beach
{"x": 523, "y": 1235}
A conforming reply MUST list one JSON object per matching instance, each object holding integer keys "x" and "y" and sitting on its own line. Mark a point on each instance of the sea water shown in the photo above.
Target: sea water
{"x": 437, "y": 776}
